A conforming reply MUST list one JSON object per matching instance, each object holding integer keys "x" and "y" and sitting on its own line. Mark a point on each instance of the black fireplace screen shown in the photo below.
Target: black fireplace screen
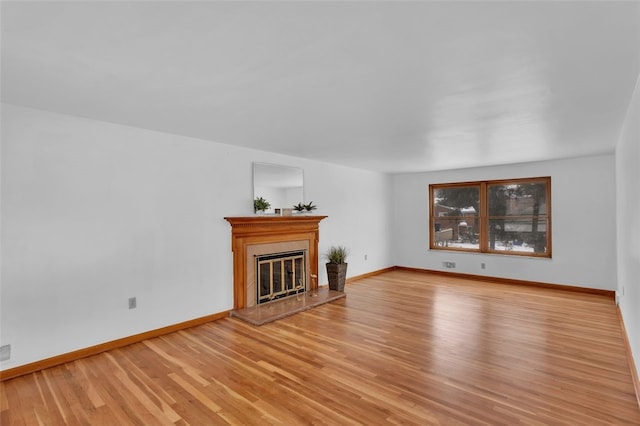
{"x": 280, "y": 275}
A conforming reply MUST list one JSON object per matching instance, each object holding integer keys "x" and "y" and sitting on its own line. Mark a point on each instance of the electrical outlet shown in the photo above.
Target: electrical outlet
{"x": 365, "y": 257}
{"x": 483, "y": 266}
{"x": 132, "y": 303}
{"x": 449, "y": 265}
{"x": 5, "y": 352}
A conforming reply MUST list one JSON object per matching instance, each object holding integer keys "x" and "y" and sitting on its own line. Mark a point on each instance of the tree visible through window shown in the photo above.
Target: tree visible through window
{"x": 456, "y": 211}
{"x": 506, "y": 216}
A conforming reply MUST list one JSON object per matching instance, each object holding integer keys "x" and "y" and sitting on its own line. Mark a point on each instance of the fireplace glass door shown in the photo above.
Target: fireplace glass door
{"x": 280, "y": 275}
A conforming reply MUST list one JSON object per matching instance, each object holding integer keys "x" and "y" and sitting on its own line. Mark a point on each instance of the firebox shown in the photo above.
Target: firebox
{"x": 279, "y": 275}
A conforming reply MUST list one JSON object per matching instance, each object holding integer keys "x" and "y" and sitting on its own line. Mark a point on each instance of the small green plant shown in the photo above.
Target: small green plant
{"x": 337, "y": 254}
{"x": 299, "y": 207}
{"x": 260, "y": 205}
{"x": 310, "y": 207}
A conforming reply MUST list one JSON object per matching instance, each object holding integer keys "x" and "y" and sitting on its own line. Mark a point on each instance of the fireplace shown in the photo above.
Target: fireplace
{"x": 280, "y": 275}
{"x": 267, "y": 238}
{"x": 272, "y": 251}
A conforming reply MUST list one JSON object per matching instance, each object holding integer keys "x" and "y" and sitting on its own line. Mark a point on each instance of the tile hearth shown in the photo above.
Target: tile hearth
{"x": 281, "y": 308}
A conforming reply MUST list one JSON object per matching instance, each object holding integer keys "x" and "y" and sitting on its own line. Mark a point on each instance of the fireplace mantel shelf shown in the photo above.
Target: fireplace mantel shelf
{"x": 253, "y": 230}
{"x": 272, "y": 219}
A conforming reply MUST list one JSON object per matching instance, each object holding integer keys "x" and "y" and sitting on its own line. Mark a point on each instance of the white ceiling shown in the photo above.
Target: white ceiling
{"x": 388, "y": 86}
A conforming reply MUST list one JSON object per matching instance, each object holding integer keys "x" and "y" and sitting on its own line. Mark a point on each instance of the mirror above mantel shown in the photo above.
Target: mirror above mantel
{"x": 281, "y": 186}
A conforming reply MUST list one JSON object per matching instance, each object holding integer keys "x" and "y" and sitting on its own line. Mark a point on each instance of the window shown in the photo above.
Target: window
{"x": 505, "y": 216}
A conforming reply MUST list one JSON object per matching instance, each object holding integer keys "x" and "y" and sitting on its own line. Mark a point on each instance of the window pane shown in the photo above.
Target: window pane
{"x": 526, "y": 199}
{"x": 519, "y": 235}
{"x": 465, "y": 233}
{"x": 455, "y": 216}
{"x": 518, "y": 217}
{"x": 457, "y": 201}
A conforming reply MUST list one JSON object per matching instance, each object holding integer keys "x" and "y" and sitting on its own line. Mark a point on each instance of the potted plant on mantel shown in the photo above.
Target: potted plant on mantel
{"x": 305, "y": 208}
{"x": 260, "y": 205}
{"x": 337, "y": 267}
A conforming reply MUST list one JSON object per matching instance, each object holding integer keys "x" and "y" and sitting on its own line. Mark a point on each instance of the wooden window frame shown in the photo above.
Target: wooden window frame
{"x": 483, "y": 216}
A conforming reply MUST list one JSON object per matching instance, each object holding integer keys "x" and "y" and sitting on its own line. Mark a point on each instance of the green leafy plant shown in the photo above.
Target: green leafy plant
{"x": 310, "y": 207}
{"x": 337, "y": 254}
{"x": 260, "y": 204}
{"x": 299, "y": 207}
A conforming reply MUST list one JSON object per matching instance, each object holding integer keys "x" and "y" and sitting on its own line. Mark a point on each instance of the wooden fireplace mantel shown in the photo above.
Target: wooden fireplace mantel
{"x": 253, "y": 230}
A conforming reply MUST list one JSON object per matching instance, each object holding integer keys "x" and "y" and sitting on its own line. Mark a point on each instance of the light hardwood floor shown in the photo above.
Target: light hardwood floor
{"x": 402, "y": 348}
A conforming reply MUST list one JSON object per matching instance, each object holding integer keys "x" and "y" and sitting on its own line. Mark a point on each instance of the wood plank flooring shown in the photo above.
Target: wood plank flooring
{"x": 402, "y": 348}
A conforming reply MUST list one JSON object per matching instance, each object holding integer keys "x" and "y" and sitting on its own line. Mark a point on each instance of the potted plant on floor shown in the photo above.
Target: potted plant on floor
{"x": 337, "y": 267}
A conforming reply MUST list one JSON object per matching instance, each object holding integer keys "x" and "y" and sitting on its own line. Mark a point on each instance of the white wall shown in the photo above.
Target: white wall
{"x": 628, "y": 214}
{"x": 583, "y": 227}
{"x": 94, "y": 213}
